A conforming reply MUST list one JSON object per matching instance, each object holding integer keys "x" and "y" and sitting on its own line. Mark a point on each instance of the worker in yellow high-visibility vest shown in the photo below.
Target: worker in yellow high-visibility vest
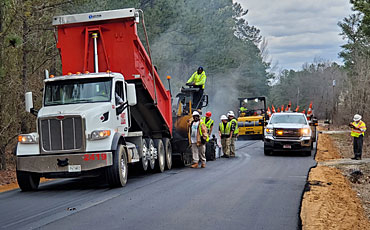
{"x": 198, "y": 137}
{"x": 224, "y": 132}
{"x": 358, "y": 132}
{"x": 234, "y": 132}
{"x": 197, "y": 80}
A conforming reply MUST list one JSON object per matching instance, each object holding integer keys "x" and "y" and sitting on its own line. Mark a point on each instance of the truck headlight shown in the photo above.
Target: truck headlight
{"x": 306, "y": 132}
{"x": 269, "y": 131}
{"x": 99, "y": 134}
{"x": 27, "y": 139}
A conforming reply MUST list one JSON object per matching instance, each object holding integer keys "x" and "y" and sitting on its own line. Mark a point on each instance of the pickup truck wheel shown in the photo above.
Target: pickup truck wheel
{"x": 117, "y": 173}
{"x": 168, "y": 151}
{"x": 267, "y": 152}
{"x": 152, "y": 152}
{"x": 28, "y": 181}
{"x": 161, "y": 158}
{"x": 144, "y": 158}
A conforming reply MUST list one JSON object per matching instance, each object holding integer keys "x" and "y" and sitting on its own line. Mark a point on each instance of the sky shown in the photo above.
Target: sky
{"x": 299, "y": 31}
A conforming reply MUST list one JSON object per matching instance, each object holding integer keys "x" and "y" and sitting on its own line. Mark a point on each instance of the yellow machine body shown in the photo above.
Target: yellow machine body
{"x": 251, "y": 125}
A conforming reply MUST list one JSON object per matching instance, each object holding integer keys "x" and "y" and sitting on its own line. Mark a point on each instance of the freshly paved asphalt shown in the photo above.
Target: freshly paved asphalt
{"x": 251, "y": 191}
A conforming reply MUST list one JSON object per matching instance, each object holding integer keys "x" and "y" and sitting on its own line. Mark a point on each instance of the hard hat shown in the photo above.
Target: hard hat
{"x": 195, "y": 113}
{"x": 223, "y": 117}
{"x": 230, "y": 113}
{"x": 208, "y": 114}
{"x": 357, "y": 117}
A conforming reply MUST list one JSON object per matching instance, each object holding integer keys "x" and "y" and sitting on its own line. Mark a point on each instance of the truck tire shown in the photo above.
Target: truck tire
{"x": 152, "y": 150}
{"x": 28, "y": 181}
{"x": 161, "y": 155}
{"x": 144, "y": 158}
{"x": 117, "y": 173}
{"x": 168, "y": 152}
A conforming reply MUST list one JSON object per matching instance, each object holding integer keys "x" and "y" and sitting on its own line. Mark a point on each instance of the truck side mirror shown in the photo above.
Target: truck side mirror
{"x": 131, "y": 95}
{"x": 29, "y": 103}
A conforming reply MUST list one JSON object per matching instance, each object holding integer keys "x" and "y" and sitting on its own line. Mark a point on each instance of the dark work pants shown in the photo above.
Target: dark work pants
{"x": 197, "y": 97}
{"x": 357, "y": 145}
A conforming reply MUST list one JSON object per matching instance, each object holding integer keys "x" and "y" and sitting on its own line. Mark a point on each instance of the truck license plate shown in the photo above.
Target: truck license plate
{"x": 74, "y": 168}
{"x": 287, "y": 146}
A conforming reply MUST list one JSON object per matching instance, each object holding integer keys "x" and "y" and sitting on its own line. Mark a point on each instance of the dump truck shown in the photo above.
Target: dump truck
{"x": 107, "y": 110}
{"x": 252, "y": 117}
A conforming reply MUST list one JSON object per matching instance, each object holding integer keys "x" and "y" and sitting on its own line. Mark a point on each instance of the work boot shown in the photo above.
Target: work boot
{"x": 194, "y": 166}
{"x": 203, "y": 165}
{"x": 225, "y": 156}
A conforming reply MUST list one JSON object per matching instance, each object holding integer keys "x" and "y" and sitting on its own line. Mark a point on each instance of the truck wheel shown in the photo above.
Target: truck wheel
{"x": 161, "y": 158}
{"x": 28, "y": 181}
{"x": 117, "y": 173}
{"x": 152, "y": 152}
{"x": 168, "y": 151}
{"x": 144, "y": 158}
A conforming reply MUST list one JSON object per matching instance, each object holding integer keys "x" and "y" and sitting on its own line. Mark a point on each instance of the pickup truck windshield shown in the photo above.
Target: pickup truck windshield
{"x": 78, "y": 91}
{"x": 294, "y": 119}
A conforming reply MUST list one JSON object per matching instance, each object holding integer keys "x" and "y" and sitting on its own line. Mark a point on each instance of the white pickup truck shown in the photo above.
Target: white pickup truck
{"x": 289, "y": 132}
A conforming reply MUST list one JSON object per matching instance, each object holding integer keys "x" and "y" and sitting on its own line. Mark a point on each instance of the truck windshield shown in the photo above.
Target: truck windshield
{"x": 294, "y": 119}
{"x": 78, "y": 91}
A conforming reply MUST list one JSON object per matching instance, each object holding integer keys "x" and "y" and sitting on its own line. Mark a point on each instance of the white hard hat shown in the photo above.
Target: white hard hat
{"x": 357, "y": 117}
{"x": 196, "y": 113}
{"x": 231, "y": 113}
{"x": 223, "y": 117}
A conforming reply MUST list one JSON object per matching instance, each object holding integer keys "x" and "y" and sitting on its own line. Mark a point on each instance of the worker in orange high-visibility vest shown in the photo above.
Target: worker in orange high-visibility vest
{"x": 358, "y": 132}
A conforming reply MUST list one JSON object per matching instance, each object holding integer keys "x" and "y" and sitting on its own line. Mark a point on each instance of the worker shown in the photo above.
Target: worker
{"x": 198, "y": 137}
{"x": 198, "y": 80}
{"x": 234, "y": 132}
{"x": 243, "y": 109}
{"x": 224, "y": 132}
{"x": 209, "y": 122}
{"x": 358, "y": 132}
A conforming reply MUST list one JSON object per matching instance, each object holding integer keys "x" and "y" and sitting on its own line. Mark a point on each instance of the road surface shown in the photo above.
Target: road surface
{"x": 251, "y": 191}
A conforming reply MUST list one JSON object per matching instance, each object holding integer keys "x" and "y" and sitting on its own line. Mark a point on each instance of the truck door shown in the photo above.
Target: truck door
{"x": 121, "y": 107}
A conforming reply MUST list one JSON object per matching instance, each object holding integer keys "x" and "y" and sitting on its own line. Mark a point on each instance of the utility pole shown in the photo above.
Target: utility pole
{"x": 333, "y": 109}
{"x": 298, "y": 97}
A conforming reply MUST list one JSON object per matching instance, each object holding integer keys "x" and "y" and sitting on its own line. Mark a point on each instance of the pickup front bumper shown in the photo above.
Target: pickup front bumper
{"x": 279, "y": 144}
{"x": 64, "y": 163}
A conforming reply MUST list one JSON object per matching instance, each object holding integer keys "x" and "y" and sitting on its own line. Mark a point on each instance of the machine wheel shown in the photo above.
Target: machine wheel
{"x": 28, "y": 181}
{"x": 152, "y": 152}
{"x": 161, "y": 152}
{"x": 144, "y": 158}
{"x": 168, "y": 151}
{"x": 117, "y": 173}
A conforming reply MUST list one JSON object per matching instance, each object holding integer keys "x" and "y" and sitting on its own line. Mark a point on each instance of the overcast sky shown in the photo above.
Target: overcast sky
{"x": 297, "y": 31}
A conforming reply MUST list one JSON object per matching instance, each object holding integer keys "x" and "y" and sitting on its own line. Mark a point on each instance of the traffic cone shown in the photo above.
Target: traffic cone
{"x": 304, "y": 111}
{"x": 278, "y": 110}
{"x": 309, "y": 112}
{"x": 282, "y": 108}
{"x": 273, "y": 109}
{"x": 297, "y": 109}
{"x": 268, "y": 112}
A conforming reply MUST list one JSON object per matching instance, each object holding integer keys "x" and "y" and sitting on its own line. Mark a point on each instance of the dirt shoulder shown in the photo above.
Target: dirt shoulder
{"x": 336, "y": 197}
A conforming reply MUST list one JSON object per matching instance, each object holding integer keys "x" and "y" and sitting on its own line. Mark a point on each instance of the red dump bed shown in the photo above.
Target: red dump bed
{"x": 119, "y": 50}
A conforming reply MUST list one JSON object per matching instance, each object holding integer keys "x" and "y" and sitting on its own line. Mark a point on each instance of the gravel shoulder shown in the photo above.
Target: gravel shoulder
{"x": 338, "y": 189}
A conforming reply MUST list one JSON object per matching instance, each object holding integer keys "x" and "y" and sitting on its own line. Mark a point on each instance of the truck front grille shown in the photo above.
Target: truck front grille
{"x": 62, "y": 133}
{"x": 287, "y": 133}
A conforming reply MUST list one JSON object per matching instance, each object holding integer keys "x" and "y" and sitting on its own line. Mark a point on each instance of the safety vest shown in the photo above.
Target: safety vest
{"x": 198, "y": 79}
{"x": 225, "y": 130}
{"x": 243, "y": 109}
{"x": 208, "y": 123}
{"x": 200, "y": 129}
{"x": 360, "y": 125}
{"x": 236, "y": 131}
